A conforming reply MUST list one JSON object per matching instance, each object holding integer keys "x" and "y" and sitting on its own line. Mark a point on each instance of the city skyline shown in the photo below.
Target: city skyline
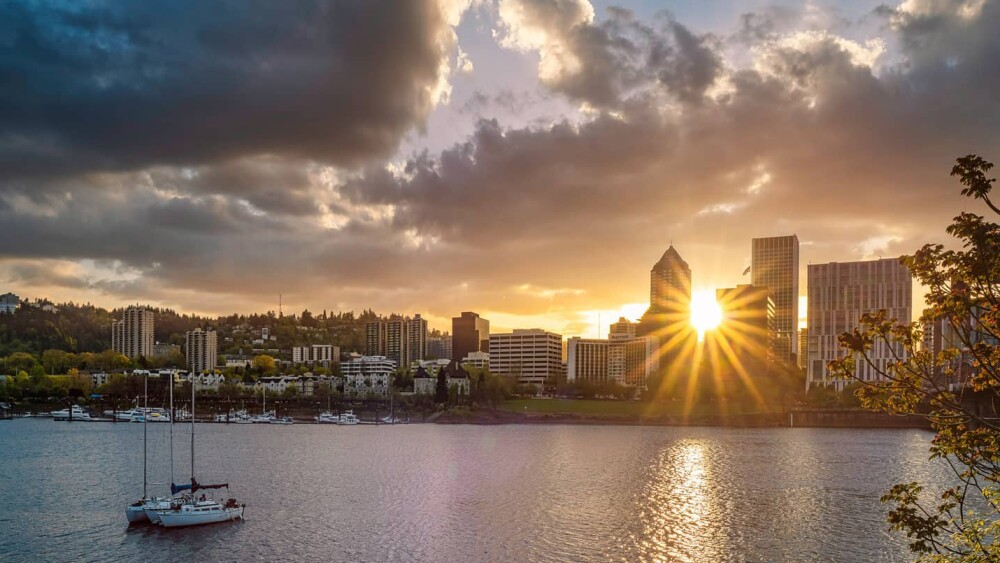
{"x": 507, "y": 157}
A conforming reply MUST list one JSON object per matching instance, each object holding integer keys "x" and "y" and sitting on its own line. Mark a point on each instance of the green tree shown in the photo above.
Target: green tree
{"x": 963, "y": 293}
{"x": 441, "y": 388}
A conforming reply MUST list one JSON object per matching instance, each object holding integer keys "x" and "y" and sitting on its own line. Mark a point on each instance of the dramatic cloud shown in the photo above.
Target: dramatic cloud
{"x": 256, "y": 179}
{"x": 111, "y": 86}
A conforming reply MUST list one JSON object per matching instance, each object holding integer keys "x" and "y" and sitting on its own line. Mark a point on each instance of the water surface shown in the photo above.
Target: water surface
{"x": 426, "y": 492}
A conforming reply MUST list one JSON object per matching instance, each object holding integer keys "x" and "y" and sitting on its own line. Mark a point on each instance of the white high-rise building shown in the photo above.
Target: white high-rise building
{"x": 774, "y": 263}
{"x": 532, "y": 355}
{"x": 321, "y": 354}
{"x": 839, "y": 293}
{"x": 133, "y": 335}
{"x": 201, "y": 347}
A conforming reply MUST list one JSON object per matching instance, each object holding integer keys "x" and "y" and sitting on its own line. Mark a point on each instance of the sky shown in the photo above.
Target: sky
{"x": 526, "y": 159}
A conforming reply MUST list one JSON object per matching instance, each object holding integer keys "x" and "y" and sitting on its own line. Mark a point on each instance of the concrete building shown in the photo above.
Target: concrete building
{"x": 533, "y": 356}
{"x": 746, "y": 336}
{"x": 439, "y": 347}
{"x": 469, "y": 333}
{"x": 803, "y": 355}
{"x": 586, "y": 359}
{"x": 478, "y": 360}
{"x": 201, "y": 347}
{"x": 368, "y": 377}
{"x": 132, "y": 336}
{"x": 165, "y": 349}
{"x": 401, "y": 339}
{"x": 626, "y": 361}
{"x": 839, "y": 293}
{"x": 774, "y": 264}
{"x": 624, "y": 329}
{"x": 8, "y": 303}
{"x": 317, "y": 354}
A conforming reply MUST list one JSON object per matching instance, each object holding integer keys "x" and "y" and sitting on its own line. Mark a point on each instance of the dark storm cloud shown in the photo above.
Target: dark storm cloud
{"x": 125, "y": 85}
{"x": 810, "y": 136}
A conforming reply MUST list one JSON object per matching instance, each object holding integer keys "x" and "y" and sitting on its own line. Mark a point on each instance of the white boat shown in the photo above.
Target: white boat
{"x": 200, "y": 512}
{"x": 327, "y": 418}
{"x": 283, "y": 420}
{"x": 188, "y": 511}
{"x": 136, "y": 512}
{"x": 265, "y": 418}
{"x": 73, "y": 413}
{"x": 348, "y": 419}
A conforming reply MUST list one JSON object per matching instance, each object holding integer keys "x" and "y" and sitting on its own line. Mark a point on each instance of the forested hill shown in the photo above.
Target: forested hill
{"x": 41, "y": 325}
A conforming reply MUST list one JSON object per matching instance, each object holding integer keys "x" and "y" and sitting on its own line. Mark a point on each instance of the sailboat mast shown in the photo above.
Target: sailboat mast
{"x": 172, "y": 414}
{"x": 145, "y": 441}
{"x": 191, "y": 379}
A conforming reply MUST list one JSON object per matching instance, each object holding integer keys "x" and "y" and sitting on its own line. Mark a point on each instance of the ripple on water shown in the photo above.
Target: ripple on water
{"x": 464, "y": 493}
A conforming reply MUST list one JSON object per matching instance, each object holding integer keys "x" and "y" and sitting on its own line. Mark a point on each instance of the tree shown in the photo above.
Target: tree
{"x": 956, "y": 388}
{"x": 263, "y": 363}
{"x": 441, "y": 388}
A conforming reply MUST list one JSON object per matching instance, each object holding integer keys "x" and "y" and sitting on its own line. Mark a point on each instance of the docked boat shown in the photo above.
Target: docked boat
{"x": 348, "y": 419}
{"x": 265, "y": 418}
{"x": 283, "y": 420}
{"x": 75, "y": 412}
{"x": 327, "y": 418}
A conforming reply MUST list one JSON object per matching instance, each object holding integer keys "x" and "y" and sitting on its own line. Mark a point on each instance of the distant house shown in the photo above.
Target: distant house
{"x": 425, "y": 383}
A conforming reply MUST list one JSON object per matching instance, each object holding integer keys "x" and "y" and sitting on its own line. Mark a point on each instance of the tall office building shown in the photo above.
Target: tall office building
{"x": 202, "y": 350}
{"x": 774, "y": 264}
{"x": 133, "y": 335}
{"x": 402, "y": 340}
{"x": 531, "y": 355}
{"x": 747, "y": 329}
{"x": 803, "y": 347}
{"x": 839, "y": 293}
{"x": 469, "y": 333}
{"x": 668, "y": 316}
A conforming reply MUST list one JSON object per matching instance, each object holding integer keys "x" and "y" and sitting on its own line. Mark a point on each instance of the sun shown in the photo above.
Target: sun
{"x": 706, "y": 313}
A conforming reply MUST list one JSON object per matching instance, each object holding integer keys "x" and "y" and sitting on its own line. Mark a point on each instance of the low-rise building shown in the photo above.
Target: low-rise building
{"x": 316, "y": 354}
{"x": 368, "y": 377}
{"x": 478, "y": 360}
{"x": 424, "y": 383}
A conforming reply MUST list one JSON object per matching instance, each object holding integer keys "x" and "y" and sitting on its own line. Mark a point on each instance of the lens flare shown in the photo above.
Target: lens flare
{"x": 706, "y": 313}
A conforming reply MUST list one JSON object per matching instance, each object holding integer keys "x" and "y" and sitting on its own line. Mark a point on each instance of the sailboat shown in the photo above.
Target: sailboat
{"x": 265, "y": 416}
{"x": 191, "y": 511}
{"x": 136, "y": 512}
{"x": 153, "y": 506}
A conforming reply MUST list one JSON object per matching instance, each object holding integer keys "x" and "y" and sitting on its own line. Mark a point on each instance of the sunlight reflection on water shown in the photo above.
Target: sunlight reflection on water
{"x": 466, "y": 493}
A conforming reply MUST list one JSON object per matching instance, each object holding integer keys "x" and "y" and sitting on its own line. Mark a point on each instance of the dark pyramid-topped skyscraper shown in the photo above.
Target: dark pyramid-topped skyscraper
{"x": 669, "y": 315}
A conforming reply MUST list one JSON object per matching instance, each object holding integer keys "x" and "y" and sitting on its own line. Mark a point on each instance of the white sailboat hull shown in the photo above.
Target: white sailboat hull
{"x": 188, "y": 516}
{"x": 136, "y": 514}
{"x": 153, "y": 509}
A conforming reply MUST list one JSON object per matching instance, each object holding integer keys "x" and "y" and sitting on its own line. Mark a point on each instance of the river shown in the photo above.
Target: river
{"x": 425, "y": 492}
